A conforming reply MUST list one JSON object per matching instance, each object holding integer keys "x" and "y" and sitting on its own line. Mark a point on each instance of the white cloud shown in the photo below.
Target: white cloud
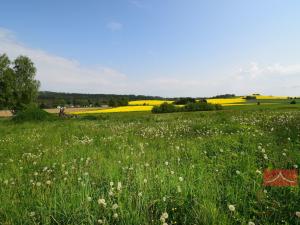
{"x": 114, "y": 26}
{"x": 62, "y": 74}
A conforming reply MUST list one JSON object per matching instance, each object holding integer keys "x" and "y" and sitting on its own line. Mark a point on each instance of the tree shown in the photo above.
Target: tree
{"x": 18, "y": 87}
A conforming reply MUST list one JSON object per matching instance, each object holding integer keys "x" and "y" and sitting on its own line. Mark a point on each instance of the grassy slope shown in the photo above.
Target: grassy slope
{"x": 82, "y": 156}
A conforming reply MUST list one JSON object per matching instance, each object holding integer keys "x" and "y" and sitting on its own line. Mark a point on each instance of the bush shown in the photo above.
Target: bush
{"x": 293, "y": 102}
{"x": 32, "y": 113}
{"x": 165, "y": 108}
{"x": 198, "y": 106}
{"x": 184, "y": 101}
{"x": 201, "y": 106}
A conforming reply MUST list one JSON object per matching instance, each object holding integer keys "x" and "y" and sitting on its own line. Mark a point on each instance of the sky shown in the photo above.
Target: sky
{"x": 164, "y": 48}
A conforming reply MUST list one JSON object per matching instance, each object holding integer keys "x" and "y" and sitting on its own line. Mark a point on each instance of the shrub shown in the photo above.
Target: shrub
{"x": 32, "y": 113}
{"x": 198, "y": 106}
{"x": 201, "y": 106}
{"x": 250, "y": 97}
{"x": 293, "y": 102}
{"x": 164, "y": 108}
{"x": 184, "y": 101}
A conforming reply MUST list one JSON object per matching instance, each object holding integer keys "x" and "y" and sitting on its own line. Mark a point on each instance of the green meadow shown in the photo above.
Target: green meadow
{"x": 142, "y": 168}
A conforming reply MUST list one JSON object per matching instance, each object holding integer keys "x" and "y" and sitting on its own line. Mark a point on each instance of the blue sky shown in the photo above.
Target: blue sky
{"x": 158, "y": 47}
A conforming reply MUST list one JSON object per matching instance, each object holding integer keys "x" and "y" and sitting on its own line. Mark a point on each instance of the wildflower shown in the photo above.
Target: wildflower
{"x": 111, "y": 183}
{"x": 110, "y": 193}
{"x": 251, "y": 223}
{"x": 115, "y": 206}
{"x": 172, "y": 172}
{"x": 238, "y": 172}
{"x": 231, "y": 208}
{"x": 265, "y": 156}
{"x": 116, "y": 215}
{"x": 165, "y": 215}
{"x": 101, "y": 201}
{"x": 48, "y": 182}
{"x": 258, "y": 171}
{"x": 145, "y": 181}
{"x": 100, "y": 221}
{"x": 180, "y": 179}
{"x": 298, "y": 214}
{"x": 284, "y": 154}
{"x": 295, "y": 166}
{"x": 38, "y": 184}
{"x": 166, "y": 163}
{"x": 140, "y": 194}
{"x": 164, "y": 198}
{"x": 89, "y": 199}
{"x": 36, "y": 173}
{"x": 119, "y": 187}
{"x": 86, "y": 174}
{"x": 32, "y": 214}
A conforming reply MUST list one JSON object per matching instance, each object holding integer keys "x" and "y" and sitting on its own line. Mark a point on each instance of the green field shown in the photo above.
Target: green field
{"x": 192, "y": 166}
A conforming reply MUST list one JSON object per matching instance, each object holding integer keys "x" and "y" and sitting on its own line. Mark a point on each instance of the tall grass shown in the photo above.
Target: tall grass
{"x": 191, "y": 166}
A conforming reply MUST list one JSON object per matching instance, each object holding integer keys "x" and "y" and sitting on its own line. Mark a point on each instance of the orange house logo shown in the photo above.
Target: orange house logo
{"x": 280, "y": 178}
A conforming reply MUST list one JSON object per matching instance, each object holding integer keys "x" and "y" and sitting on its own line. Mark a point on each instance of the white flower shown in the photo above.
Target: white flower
{"x": 89, "y": 199}
{"x": 101, "y": 201}
{"x": 180, "y": 179}
{"x": 164, "y": 199}
{"x": 295, "y": 166}
{"x": 145, "y": 181}
{"x": 140, "y": 194}
{"x": 298, "y": 214}
{"x": 32, "y": 214}
{"x": 172, "y": 172}
{"x": 119, "y": 187}
{"x": 258, "y": 171}
{"x": 238, "y": 172}
{"x": 116, "y": 215}
{"x": 48, "y": 182}
{"x": 251, "y": 223}
{"x": 115, "y": 206}
{"x": 265, "y": 156}
{"x": 284, "y": 154}
{"x": 100, "y": 221}
{"x": 38, "y": 184}
{"x": 110, "y": 193}
{"x": 111, "y": 183}
{"x": 36, "y": 173}
{"x": 164, "y": 223}
{"x": 166, "y": 163}
{"x": 231, "y": 208}
{"x": 165, "y": 215}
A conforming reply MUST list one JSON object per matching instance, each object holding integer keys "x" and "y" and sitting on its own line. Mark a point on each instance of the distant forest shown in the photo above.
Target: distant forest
{"x": 47, "y": 99}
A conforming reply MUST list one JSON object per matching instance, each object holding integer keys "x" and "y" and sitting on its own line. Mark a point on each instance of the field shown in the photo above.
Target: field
{"x": 142, "y": 168}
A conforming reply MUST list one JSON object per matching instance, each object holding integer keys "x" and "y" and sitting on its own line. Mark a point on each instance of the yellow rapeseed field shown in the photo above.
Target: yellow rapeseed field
{"x": 266, "y": 97}
{"x": 118, "y": 109}
{"x": 225, "y": 101}
{"x": 148, "y": 102}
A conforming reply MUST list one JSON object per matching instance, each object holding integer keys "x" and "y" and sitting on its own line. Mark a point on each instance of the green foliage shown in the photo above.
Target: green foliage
{"x": 165, "y": 108}
{"x": 118, "y": 102}
{"x": 184, "y": 101}
{"x": 18, "y": 87}
{"x": 250, "y": 97}
{"x": 49, "y": 99}
{"x": 197, "y": 106}
{"x": 32, "y": 113}
{"x": 293, "y": 102}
